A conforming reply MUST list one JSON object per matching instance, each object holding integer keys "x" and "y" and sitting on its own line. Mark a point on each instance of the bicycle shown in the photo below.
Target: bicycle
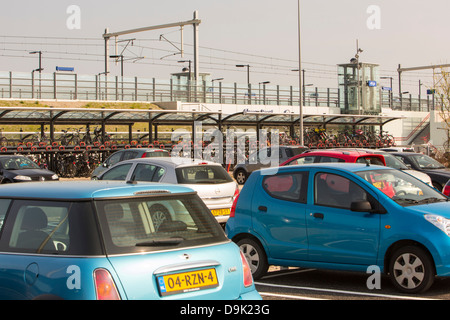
{"x": 35, "y": 138}
{"x": 72, "y": 138}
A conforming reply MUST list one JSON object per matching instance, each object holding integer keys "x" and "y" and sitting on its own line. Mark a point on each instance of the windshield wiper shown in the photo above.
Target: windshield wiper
{"x": 413, "y": 201}
{"x": 160, "y": 242}
{"x": 431, "y": 200}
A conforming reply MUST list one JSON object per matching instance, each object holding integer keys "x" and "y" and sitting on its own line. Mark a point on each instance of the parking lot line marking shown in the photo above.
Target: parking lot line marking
{"x": 287, "y": 272}
{"x": 343, "y": 292}
{"x": 268, "y": 294}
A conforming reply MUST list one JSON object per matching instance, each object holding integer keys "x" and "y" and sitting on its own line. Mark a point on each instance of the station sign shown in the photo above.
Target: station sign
{"x": 70, "y": 69}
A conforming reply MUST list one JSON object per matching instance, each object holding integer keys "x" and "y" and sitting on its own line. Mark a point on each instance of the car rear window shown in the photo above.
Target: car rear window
{"x": 147, "y": 224}
{"x": 51, "y": 227}
{"x": 202, "y": 174}
{"x": 370, "y": 160}
{"x": 156, "y": 153}
{"x": 290, "y": 152}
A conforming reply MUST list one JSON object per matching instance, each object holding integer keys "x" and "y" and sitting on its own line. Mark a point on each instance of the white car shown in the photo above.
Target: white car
{"x": 393, "y": 162}
{"x": 211, "y": 181}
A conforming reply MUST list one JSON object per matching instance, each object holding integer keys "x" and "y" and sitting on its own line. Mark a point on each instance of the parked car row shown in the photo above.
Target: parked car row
{"x": 165, "y": 213}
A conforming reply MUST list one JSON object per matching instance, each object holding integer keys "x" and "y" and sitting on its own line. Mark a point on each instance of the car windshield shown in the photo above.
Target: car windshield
{"x": 18, "y": 163}
{"x": 401, "y": 187}
{"x": 202, "y": 174}
{"x": 393, "y": 162}
{"x": 147, "y": 224}
{"x": 426, "y": 162}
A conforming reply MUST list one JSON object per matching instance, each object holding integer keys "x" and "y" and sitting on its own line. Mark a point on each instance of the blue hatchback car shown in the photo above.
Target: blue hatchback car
{"x": 115, "y": 240}
{"x": 344, "y": 217}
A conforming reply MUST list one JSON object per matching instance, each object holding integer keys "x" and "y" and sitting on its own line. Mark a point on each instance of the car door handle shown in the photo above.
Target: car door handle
{"x": 318, "y": 215}
{"x": 262, "y": 208}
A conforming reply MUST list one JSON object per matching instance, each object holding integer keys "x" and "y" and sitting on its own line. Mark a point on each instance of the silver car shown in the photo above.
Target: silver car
{"x": 213, "y": 184}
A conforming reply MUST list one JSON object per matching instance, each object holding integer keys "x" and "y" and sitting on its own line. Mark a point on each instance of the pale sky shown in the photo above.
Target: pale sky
{"x": 261, "y": 33}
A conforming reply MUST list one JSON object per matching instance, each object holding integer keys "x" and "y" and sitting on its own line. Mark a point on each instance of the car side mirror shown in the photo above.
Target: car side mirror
{"x": 361, "y": 206}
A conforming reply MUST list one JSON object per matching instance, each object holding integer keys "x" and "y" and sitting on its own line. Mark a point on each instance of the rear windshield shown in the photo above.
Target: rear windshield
{"x": 370, "y": 160}
{"x": 157, "y": 153}
{"x": 294, "y": 151}
{"x": 50, "y": 227}
{"x": 202, "y": 174}
{"x": 148, "y": 224}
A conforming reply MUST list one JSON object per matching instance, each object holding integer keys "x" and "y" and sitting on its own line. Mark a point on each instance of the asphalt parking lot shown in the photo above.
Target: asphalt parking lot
{"x": 312, "y": 284}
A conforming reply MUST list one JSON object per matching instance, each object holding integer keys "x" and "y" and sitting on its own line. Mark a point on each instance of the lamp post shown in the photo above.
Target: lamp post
{"x": 358, "y": 82}
{"x": 248, "y": 80}
{"x": 189, "y": 79}
{"x": 190, "y": 62}
{"x": 390, "y": 92}
{"x": 248, "y": 70}
{"x": 40, "y": 69}
{"x": 264, "y": 91}
{"x": 120, "y": 56}
{"x": 212, "y": 83}
{"x": 300, "y": 80}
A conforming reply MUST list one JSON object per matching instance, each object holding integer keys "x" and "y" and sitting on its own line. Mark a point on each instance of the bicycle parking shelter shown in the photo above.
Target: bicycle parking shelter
{"x": 52, "y": 117}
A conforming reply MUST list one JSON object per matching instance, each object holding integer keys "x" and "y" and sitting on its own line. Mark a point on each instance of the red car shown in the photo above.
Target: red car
{"x": 336, "y": 156}
{"x": 446, "y": 189}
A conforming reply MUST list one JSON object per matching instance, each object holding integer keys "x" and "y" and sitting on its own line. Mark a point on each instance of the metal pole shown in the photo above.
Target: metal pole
{"x": 196, "y": 48}
{"x": 400, "y": 86}
{"x": 301, "y": 140}
{"x": 106, "y": 52}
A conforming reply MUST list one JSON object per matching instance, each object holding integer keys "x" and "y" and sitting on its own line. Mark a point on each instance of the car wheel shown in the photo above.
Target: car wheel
{"x": 241, "y": 176}
{"x": 256, "y": 257}
{"x": 159, "y": 215}
{"x": 411, "y": 270}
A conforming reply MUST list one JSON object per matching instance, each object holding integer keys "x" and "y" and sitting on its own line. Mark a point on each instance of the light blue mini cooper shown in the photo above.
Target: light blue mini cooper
{"x": 345, "y": 217}
{"x": 115, "y": 240}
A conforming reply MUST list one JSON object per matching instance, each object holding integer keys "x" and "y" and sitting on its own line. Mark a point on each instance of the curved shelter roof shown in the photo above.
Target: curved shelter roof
{"x": 83, "y": 116}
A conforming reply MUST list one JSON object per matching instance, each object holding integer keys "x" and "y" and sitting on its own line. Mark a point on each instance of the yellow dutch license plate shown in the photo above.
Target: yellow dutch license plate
{"x": 220, "y": 212}
{"x": 187, "y": 281}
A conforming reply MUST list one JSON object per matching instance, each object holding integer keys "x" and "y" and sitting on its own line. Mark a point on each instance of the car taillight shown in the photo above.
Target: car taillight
{"x": 446, "y": 190}
{"x": 144, "y": 155}
{"x": 233, "y": 207}
{"x": 105, "y": 286}
{"x": 236, "y": 192}
{"x": 248, "y": 278}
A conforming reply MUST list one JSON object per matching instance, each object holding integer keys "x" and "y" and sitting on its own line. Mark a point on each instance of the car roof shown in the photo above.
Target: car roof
{"x": 344, "y": 166}
{"x": 143, "y": 149}
{"x": 345, "y": 152}
{"x": 171, "y": 161}
{"x": 13, "y": 156}
{"x": 77, "y": 190}
{"x": 408, "y": 153}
